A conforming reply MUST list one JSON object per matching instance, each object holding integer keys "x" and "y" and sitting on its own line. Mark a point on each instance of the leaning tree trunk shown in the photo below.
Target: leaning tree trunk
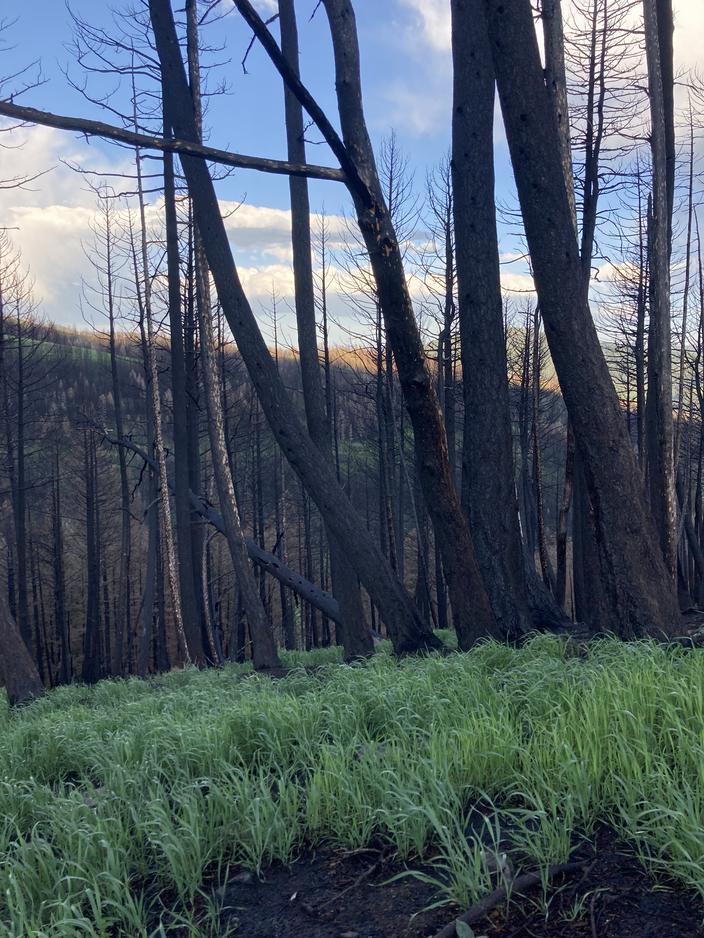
{"x": 356, "y": 636}
{"x": 472, "y": 613}
{"x": 409, "y": 632}
{"x": 639, "y": 593}
{"x": 264, "y": 652}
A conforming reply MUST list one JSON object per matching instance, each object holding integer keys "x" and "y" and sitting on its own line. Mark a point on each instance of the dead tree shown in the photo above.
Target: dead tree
{"x": 473, "y": 615}
{"x": 639, "y": 595}
{"x": 658, "y": 408}
{"x": 407, "y": 629}
{"x": 264, "y": 647}
{"x": 355, "y": 633}
{"x": 18, "y": 672}
{"x": 488, "y": 485}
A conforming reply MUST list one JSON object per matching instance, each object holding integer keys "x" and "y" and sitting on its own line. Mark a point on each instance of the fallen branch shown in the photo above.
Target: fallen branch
{"x": 320, "y": 598}
{"x": 364, "y": 875}
{"x": 92, "y": 128}
{"x": 519, "y": 885}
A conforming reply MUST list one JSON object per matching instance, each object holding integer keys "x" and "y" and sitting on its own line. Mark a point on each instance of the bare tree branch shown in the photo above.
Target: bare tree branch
{"x": 93, "y": 128}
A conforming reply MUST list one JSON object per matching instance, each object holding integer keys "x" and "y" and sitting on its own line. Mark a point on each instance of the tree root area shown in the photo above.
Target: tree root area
{"x": 337, "y": 894}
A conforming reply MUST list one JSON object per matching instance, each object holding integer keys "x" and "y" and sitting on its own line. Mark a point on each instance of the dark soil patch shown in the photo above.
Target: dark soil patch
{"x": 328, "y": 894}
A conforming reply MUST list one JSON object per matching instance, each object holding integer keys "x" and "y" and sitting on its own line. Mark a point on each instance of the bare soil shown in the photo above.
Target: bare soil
{"x": 334, "y": 894}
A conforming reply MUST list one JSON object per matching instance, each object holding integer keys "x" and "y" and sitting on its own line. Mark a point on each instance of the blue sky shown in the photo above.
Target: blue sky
{"x": 407, "y": 83}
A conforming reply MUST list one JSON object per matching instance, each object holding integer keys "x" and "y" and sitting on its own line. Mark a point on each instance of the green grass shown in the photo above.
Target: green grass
{"x": 119, "y": 803}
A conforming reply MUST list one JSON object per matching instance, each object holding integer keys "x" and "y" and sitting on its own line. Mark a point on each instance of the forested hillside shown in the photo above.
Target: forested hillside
{"x": 71, "y": 469}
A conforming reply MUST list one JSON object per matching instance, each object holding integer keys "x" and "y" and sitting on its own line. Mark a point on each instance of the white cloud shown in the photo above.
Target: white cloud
{"x": 517, "y": 283}
{"x": 260, "y": 281}
{"x": 419, "y": 110}
{"x": 430, "y": 28}
{"x": 689, "y": 32}
{"x": 430, "y": 23}
{"x": 51, "y": 222}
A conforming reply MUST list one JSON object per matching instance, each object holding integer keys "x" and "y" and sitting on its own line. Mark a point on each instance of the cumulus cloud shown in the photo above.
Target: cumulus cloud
{"x": 51, "y": 223}
{"x": 432, "y": 17}
{"x": 429, "y": 26}
{"x": 689, "y": 29}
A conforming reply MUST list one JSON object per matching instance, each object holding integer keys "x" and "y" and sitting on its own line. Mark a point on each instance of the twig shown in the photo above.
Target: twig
{"x": 519, "y": 885}
{"x": 592, "y": 916}
{"x": 252, "y": 41}
{"x": 365, "y": 874}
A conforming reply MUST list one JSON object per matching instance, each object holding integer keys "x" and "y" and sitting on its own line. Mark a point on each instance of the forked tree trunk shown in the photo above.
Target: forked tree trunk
{"x": 408, "y": 631}
{"x": 488, "y": 486}
{"x": 639, "y": 593}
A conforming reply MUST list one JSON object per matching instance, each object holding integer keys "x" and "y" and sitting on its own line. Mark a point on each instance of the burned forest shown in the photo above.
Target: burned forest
{"x": 352, "y": 469}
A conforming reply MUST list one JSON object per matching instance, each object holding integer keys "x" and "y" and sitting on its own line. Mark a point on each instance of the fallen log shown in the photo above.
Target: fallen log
{"x": 317, "y": 597}
{"x": 518, "y": 886}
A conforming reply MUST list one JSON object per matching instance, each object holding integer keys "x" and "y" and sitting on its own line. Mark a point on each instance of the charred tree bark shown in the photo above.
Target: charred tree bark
{"x": 189, "y": 632}
{"x": 60, "y": 612}
{"x": 640, "y": 594}
{"x": 92, "y": 669}
{"x": 356, "y": 637}
{"x": 562, "y": 522}
{"x": 182, "y": 483}
{"x": 408, "y": 630}
{"x": 18, "y": 672}
{"x": 488, "y": 486}
{"x": 18, "y": 482}
{"x": 658, "y": 408}
{"x": 122, "y": 614}
{"x": 472, "y": 612}
{"x": 264, "y": 646}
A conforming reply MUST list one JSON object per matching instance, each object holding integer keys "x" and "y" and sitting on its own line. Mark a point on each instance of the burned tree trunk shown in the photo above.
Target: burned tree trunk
{"x": 356, "y": 637}
{"x": 488, "y": 486}
{"x": 473, "y": 616}
{"x": 264, "y": 646}
{"x": 92, "y": 669}
{"x": 408, "y": 630}
{"x": 18, "y": 673}
{"x": 658, "y": 407}
{"x": 638, "y": 591}
{"x": 182, "y": 483}
{"x": 60, "y": 612}
{"x": 122, "y": 614}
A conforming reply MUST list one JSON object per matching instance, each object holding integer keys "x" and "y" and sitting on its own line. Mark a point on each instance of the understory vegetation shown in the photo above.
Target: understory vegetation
{"x": 124, "y": 806}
